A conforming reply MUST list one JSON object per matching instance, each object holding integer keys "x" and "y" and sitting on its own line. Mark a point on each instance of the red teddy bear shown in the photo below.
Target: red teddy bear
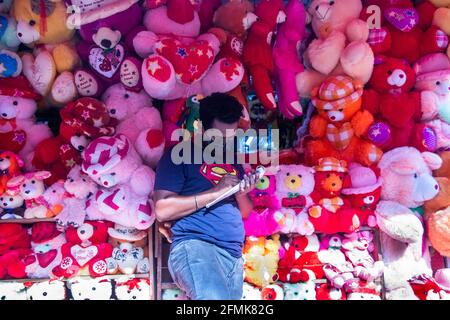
{"x": 300, "y": 262}
{"x": 396, "y": 109}
{"x": 14, "y": 246}
{"x": 82, "y": 121}
{"x": 328, "y": 214}
{"x": 87, "y": 247}
{"x": 405, "y": 31}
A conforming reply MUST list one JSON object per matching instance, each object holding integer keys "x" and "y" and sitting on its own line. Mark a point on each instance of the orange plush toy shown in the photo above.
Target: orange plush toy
{"x": 340, "y": 125}
{"x": 10, "y": 165}
{"x": 258, "y": 49}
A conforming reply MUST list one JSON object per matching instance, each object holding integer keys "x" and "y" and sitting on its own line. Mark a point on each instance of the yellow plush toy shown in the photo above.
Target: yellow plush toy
{"x": 43, "y": 23}
{"x": 261, "y": 257}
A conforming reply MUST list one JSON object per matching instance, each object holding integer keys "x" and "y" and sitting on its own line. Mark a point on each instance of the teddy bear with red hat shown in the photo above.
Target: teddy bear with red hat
{"x": 339, "y": 128}
{"x": 85, "y": 251}
{"x": 125, "y": 184}
{"x": 396, "y": 108}
{"x": 14, "y": 246}
{"x": 46, "y": 242}
{"x": 327, "y": 214}
{"x": 82, "y": 121}
{"x": 363, "y": 192}
{"x": 257, "y": 54}
{"x": 19, "y": 132}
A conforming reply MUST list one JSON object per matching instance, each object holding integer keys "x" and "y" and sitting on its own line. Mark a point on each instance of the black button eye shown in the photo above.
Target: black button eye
{"x": 32, "y": 22}
{"x": 438, "y": 83}
{"x": 8, "y": 157}
{"x": 317, "y": 8}
{"x": 24, "y": 185}
{"x": 331, "y": 3}
{"x": 93, "y": 289}
{"x": 44, "y": 294}
{"x": 113, "y": 174}
{"x": 126, "y": 95}
{"x": 11, "y": 199}
{"x": 416, "y": 175}
{"x": 15, "y": 103}
{"x": 389, "y": 72}
{"x": 33, "y": 182}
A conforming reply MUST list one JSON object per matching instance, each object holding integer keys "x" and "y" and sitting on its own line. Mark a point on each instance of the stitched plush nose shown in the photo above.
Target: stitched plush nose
{"x": 27, "y": 192}
{"x": 106, "y": 43}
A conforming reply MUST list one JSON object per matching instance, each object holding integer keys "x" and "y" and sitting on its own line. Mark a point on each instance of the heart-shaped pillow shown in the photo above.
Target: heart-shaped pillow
{"x": 45, "y": 259}
{"x": 404, "y": 19}
{"x": 191, "y": 62}
{"x": 40, "y": 71}
{"x": 107, "y": 62}
{"x": 324, "y": 54}
{"x": 83, "y": 255}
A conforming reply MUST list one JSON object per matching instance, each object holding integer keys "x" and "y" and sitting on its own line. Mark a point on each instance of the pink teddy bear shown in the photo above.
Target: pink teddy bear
{"x": 139, "y": 121}
{"x": 287, "y": 61}
{"x": 126, "y": 184}
{"x": 433, "y": 81}
{"x": 178, "y": 61}
{"x": 356, "y": 247}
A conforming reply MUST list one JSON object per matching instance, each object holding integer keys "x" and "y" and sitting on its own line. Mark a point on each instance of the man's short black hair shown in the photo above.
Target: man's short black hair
{"x": 221, "y": 107}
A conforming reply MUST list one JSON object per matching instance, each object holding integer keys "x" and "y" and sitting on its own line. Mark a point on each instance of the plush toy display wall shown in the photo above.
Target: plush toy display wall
{"x": 91, "y": 92}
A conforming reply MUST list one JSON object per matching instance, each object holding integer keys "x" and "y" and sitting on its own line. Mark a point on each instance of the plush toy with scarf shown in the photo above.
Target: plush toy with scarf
{"x": 326, "y": 214}
{"x": 340, "y": 127}
{"x": 82, "y": 121}
{"x": 179, "y": 61}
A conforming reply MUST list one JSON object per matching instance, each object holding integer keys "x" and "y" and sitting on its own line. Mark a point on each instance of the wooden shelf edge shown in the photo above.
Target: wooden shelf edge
{"x": 111, "y": 277}
{"x": 27, "y": 221}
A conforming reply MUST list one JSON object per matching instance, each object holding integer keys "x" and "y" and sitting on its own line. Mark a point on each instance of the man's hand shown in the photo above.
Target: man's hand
{"x": 165, "y": 230}
{"x": 248, "y": 183}
{"x": 226, "y": 183}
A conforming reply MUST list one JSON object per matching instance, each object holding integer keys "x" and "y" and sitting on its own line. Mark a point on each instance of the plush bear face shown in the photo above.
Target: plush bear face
{"x": 54, "y": 290}
{"x": 328, "y": 16}
{"x": 123, "y": 103}
{"x": 119, "y": 174}
{"x": 106, "y": 38}
{"x": 300, "y": 291}
{"x": 12, "y": 291}
{"x": 407, "y": 178}
{"x": 136, "y": 289}
{"x": 31, "y": 187}
{"x": 367, "y": 200}
{"x": 79, "y": 184}
{"x": 295, "y": 179}
{"x": 329, "y": 182}
{"x": 16, "y": 108}
{"x": 267, "y": 184}
{"x": 31, "y": 28}
{"x": 235, "y": 16}
{"x": 90, "y": 232}
{"x": 392, "y": 75}
{"x": 91, "y": 289}
{"x": 11, "y": 201}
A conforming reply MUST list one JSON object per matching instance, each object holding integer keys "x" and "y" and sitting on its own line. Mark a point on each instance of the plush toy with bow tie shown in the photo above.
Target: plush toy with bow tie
{"x": 295, "y": 183}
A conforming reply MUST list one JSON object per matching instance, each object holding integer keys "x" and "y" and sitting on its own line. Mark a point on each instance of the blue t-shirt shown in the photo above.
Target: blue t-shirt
{"x": 222, "y": 223}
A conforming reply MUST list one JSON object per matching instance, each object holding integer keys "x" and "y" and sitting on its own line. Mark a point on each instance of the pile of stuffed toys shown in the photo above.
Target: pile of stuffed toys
{"x": 370, "y": 81}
